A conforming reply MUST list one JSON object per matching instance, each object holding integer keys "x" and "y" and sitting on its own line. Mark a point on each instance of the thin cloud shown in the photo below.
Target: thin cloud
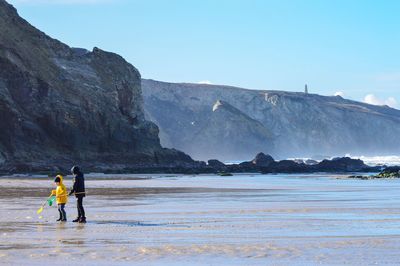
{"x": 204, "y": 82}
{"x": 392, "y": 102}
{"x": 339, "y": 93}
{"x": 372, "y": 99}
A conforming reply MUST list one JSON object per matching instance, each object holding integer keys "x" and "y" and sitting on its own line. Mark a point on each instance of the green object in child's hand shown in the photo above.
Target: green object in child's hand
{"x": 51, "y": 200}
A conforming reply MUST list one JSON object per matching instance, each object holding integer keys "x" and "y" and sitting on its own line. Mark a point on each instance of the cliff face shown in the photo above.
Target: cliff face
{"x": 229, "y": 131}
{"x": 60, "y": 105}
{"x": 300, "y": 124}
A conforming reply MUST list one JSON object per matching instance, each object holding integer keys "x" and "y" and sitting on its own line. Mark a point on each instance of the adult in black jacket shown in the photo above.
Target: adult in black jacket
{"x": 78, "y": 190}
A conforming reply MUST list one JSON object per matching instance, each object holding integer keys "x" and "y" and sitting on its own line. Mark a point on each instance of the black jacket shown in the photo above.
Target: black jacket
{"x": 79, "y": 186}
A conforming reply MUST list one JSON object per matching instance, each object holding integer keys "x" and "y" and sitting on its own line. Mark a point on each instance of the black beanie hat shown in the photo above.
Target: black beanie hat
{"x": 75, "y": 170}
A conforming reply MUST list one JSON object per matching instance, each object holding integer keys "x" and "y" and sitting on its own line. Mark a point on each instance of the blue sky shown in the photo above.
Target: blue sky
{"x": 350, "y": 47}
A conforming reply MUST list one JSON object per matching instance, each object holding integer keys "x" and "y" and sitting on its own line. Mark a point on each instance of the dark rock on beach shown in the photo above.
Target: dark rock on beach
{"x": 388, "y": 172}
{"x": 216, "y": 164}
{"x": 286, "y": 166}
{"x": 266, "y": 164}
{"x": 362, "y": 177}
{"x": 262, "y": 160}
{"x": 344, "y": 164}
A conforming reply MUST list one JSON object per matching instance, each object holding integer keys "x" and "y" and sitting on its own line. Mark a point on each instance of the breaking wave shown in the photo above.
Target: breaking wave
{"x": 379, "y": 160}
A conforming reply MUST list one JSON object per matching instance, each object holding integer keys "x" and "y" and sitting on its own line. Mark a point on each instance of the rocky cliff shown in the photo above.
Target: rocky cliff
{"x": 283, "y": 124}
{"x": 239, "y": 133}
{"x": 61, "y": 105}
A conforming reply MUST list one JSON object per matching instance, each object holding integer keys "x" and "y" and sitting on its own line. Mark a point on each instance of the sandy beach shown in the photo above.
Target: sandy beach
{"x": 205, "y": 220}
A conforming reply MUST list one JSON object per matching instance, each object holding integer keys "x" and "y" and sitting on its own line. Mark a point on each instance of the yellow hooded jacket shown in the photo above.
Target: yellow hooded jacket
{"x": 60, "y": 192}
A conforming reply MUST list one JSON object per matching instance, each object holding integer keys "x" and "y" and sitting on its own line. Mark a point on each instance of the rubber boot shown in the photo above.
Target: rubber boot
{"x": 82, "y": 220}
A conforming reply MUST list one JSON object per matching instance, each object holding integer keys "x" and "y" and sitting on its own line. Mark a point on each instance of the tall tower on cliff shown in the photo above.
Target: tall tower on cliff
{"x": 306, "y": 89}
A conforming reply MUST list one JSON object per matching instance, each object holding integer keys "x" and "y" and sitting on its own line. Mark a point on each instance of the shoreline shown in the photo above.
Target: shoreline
{"x": 128, "y": 175}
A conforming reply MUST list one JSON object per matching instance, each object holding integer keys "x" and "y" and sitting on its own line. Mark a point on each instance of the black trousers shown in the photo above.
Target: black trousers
{"x": 61, "y": 211}
{"x": 79, "y": 205}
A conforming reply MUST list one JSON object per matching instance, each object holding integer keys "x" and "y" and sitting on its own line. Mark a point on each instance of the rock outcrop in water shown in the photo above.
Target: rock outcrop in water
{"x": 387, "y": 172}
{"x": 266, "y": 164}
{"x": 61, "y": 105}
{"x": 284, "y": 124}
{"x": 390, "y": 172}
{"x": 263, "y": 160}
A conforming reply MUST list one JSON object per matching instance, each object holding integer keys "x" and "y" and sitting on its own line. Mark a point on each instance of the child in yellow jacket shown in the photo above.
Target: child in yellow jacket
{"x": 61, "y": 194}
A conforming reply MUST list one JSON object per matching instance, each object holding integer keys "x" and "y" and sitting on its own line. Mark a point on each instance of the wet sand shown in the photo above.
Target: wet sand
{"x": 205, "y": 220}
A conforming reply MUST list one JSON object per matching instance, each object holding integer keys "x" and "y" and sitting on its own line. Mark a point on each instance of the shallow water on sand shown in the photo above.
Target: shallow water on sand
{"x": 206, "y": 220}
